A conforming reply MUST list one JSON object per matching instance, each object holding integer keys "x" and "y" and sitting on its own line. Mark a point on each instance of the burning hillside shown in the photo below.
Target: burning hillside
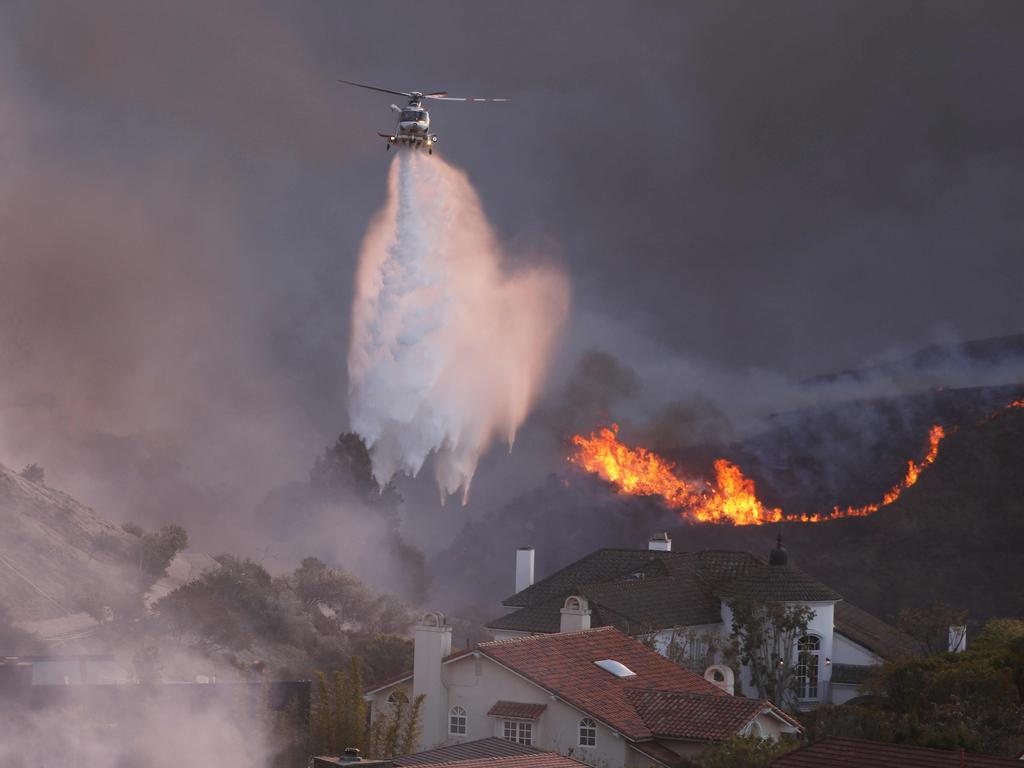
{"x": 730, "y": 498}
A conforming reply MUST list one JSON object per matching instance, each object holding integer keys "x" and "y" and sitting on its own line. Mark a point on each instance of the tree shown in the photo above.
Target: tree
{"x": 396, "y": 730}
{"x": 766, "y": 634}
{"x": 970, "y": 700}
{"x": 386, "y": 655}
{"x": 33, "y": 473}
{"x": 346, "y": 468}
{"x": 745, "y": 752}
{"x": 321, "y": 718}
{"x": 932, "y": 626}
{"x": 157, "y": 550}
{"x": 339, "y": 717}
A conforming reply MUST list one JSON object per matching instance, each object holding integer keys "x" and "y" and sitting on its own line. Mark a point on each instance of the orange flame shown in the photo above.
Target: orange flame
{"x": 732, "y": 498}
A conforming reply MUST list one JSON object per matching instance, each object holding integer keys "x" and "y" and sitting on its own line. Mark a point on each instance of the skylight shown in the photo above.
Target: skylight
{"x": 617, "y": 668}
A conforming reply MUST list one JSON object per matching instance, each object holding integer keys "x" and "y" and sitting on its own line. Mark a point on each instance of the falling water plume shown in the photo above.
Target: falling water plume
{"x": 448, "y": 349}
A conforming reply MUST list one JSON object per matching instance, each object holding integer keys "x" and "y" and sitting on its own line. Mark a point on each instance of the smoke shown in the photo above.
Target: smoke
{"x": 147, "y": 713}
{"x": 447, "y": 351}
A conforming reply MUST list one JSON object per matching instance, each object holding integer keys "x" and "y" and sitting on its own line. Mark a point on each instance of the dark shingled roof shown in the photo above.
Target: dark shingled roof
{"x": 468, "y": 750}
{"x": 874, "y": 634}
{"x": 517, "y": 710}
{"x": 778, "y": 583}
{"x": 856, "y": 753}
{"x": 629, "y": 590}
{"x": 599, "y": 566}
{"x": 851, "y": 674}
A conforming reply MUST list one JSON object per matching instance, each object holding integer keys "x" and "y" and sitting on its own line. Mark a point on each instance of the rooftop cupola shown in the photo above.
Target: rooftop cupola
{"x": 778, "y": 556}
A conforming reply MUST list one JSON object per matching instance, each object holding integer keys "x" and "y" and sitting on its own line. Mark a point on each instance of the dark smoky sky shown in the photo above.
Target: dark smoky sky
{"x": 795, "y": 186}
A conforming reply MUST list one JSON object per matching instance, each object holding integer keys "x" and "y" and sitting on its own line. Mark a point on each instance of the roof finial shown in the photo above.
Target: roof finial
{"x": 778, "y": 556}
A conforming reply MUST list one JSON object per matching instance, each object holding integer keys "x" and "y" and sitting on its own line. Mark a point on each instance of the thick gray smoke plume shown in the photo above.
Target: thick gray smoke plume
{"x": 447, "y": 350}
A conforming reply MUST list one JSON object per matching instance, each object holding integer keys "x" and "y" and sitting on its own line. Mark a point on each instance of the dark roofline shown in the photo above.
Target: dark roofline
{"x": 508, "y": 601}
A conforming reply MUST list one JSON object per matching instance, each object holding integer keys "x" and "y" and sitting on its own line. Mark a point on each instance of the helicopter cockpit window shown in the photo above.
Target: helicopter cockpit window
{"x": 411, "y": 115}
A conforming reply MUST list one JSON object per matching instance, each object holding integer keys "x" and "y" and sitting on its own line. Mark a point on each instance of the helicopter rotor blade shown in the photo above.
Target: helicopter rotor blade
{"x": 459, "y": 98}
{"x": 435, "y": 94}
{"x": 375, "y": 88}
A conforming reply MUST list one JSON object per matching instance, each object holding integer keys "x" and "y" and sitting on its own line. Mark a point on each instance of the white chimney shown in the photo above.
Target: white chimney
{"x": 575, "y": 614}
{"x": 524, "y": 568}
{"x": 957, "y": 638}
{"x": 660, "y": 542}
{"x": 433, "y": 641}
{"x": 722, "y": 677}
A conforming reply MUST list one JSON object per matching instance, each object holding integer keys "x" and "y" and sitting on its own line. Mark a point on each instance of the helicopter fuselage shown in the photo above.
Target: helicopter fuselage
{"x": 413, "y": 129}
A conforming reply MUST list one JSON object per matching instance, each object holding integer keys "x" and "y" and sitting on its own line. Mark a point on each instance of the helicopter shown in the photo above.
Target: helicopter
{"x": 413, "y": 120}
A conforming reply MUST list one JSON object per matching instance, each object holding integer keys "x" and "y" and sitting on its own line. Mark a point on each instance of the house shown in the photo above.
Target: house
{"x": 858, "y": 753}
{"x": 680, "y": 601}
{"x": 596, "y": 695}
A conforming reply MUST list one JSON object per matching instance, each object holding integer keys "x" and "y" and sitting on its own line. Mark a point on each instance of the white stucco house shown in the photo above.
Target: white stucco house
{"x": 596, "y": 695}
{"x": 681, "y": 600}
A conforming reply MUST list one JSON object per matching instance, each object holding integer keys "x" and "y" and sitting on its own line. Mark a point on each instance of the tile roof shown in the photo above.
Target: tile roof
{"x": 661, "y": 754}
{"x": 872, "y": 633}
{"x": 541, "y": 760}
{"x": 676, "y": 589}
{"x": 696, "y": 716}
{"x": 599, "y": 566}
{"x": 564, "y": 665}
{"x": 517, "y": 710}
{"x": 777, "y": 583}
{"x": 656, "y": 603}
{"x": 468, "y": 750}
{"x": 856, "y": 753}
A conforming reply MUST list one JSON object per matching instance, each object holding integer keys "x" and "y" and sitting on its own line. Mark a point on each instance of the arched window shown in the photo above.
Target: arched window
{"x": 588, "y": 733}
{"x": 808, "y": 653}
{"x": 755, "y": 729}
{"x": 457, "y": 721}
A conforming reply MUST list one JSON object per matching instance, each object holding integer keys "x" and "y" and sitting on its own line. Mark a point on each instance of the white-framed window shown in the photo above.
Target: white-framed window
{"x": 457, "y": 721}
{"x": 808, "y": 656}
{"x": 755, "y": 729}
{"x": 518, "y": 731}
{"x": 588, "y": 732}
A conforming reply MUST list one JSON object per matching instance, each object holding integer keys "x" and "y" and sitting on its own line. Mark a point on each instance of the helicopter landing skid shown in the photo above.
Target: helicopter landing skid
{"x": 410, "y": 142}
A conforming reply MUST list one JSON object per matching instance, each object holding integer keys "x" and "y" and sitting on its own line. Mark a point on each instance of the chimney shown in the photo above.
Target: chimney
{"x": 722, "y": 677}
{"x": 524, "y": 568}
{"x": 660, "y": 542}
{"x": 957, "y": 638}
{"x": 575, "y": 614}
{"x": 433, "y": 641}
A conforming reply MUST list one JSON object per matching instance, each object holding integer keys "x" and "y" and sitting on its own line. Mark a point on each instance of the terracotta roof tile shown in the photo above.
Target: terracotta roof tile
{"x": 468, "y": 750}
{"x": 856, "y": 753}
{"x": 673, "y": 715}
{"x": 542, "y": 760}
{"x": 517, "y": 710}
{"x": 564, "y": 665}
{"x": 661, "y": 754}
